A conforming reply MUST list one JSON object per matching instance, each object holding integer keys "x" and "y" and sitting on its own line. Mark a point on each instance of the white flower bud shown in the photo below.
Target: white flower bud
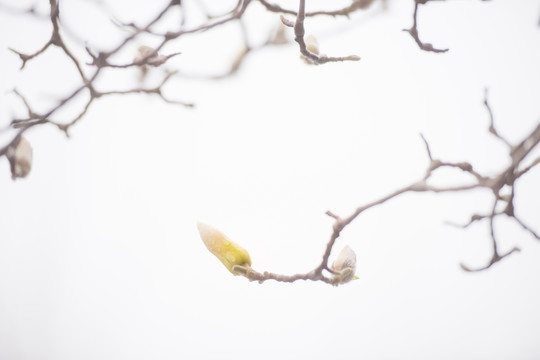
{"x": 20, "y": 158}
{"x": 345, "y": 265}
{"x": 312, "y": 44}
{"x": 278, "y": 35}
{"x": 150, "y": 56}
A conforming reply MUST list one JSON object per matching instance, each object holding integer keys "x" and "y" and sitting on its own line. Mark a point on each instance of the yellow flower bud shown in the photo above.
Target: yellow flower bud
{"x": 228, "y": 252}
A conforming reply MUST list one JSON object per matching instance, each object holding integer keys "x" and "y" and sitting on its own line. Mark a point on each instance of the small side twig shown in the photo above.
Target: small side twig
{"x": 413, "y": 30}
{"x": 492, "y": 129}
{"x": 299, "y": 33}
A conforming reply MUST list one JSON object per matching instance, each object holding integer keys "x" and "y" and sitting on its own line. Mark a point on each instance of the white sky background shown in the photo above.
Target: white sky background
{"x": 100, "y": 257}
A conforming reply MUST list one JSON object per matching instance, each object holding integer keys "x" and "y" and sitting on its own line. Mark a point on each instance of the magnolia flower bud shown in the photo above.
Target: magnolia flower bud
{"x": 149, "y": 56}
{"x": 20, "y": 158}
{"x": 312, "y": 44}
{"x": 345, "y": 265}
{"x": 228, "y": 252}
{"x": 278, "y": 36}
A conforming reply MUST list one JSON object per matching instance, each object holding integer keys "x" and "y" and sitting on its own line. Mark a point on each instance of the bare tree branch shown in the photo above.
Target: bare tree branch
{"x": 491, "y": 122}
{"x": 346, "y": 11}
{"x": 507, "y": 176}
{"x": 91, "y": 71}
{"x": 299, "y": 32}
{"x": 413, "y": 30}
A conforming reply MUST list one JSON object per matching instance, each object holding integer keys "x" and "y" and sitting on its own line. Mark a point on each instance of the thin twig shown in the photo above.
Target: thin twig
{"x": 506, "y": 176}
{"x": 299, "y": 33}
{"x": 413, "y": 30}
{"x": 491, "y": 121}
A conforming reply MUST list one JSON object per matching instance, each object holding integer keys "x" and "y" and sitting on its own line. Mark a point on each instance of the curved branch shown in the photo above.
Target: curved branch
{"x": 507, "y": 176}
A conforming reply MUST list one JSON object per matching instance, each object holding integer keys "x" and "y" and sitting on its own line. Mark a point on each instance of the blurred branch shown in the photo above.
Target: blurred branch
{"x": 157, "y": 90}
{"x": 90, "y": 72}
{"x": 299, "y": 32}
{"x": 99, "y": 62}
{"x": 346, "y": 11}
{"x": 413, "y": 30}
{"x": 19, "y": 11}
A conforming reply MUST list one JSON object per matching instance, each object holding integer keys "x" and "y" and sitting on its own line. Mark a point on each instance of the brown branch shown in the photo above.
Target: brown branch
{"x": 233, "y": 15}
{"x": 299, "y": 33}
{"x": 529, "y": 167}
{"x": 346, "y": 11}
{"x": 34, "y": 118}
{"x": 103, "y": 56}
{"x": 253, "y": 275}
{"x": 157, "y": 90}
{"x": 496, "y": 257}
{"x": 101, "y": 60}
{"x": 492, "y": 129}
{"x": 26, "y": 57}
{"x": 413, "y": 30}
{"x": 65, "y": 127}
{"x": 507, "y": 176}
{"x": 277, "y": 38}
{"x": 54, "y": 39}
{"x": 526, "y": 228}
{"x": 28, "y": 11}
{"x": 146, "y": 60}
{"x": 474, "y": 218}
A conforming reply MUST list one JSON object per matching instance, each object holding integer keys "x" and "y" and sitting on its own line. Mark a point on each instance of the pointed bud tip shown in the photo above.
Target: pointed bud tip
{"x": 228, "y": 252}
{"x": 201, "y": 226}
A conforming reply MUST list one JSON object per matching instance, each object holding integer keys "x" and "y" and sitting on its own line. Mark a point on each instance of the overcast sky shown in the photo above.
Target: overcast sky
{"x": 100, "y": 257}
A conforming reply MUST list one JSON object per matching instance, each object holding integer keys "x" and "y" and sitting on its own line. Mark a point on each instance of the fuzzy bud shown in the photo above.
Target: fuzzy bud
{"x": 149, "y": 56}
{"x": 228, "y": 252}
{"x": 345, "y": 265}
{"x": 312, "y": 44}
{"x": 20, "y": 158}
{"x": 278, "y": 35}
